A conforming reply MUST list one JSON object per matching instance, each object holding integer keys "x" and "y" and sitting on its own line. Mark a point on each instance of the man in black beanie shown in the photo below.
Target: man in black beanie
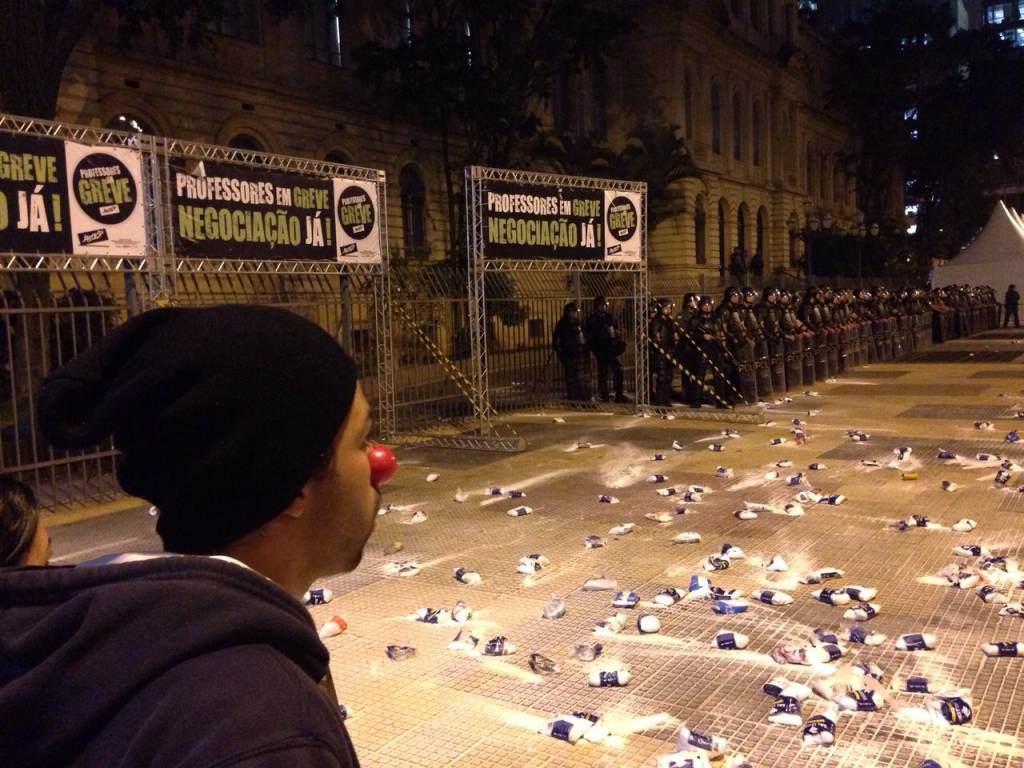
{"x": 247, "y": 428}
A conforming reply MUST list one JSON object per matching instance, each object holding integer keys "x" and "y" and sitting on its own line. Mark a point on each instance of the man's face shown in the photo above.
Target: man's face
{"x": 341, "y": 502}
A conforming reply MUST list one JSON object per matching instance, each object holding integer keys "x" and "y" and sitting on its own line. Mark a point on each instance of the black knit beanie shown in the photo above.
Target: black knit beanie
{"x": 221, "y": 414}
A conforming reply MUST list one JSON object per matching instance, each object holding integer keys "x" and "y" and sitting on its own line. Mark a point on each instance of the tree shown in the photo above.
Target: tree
{"x": 476, "y": 72}
{"x": 932, "y": 109}
{"x": 39, "y": 37}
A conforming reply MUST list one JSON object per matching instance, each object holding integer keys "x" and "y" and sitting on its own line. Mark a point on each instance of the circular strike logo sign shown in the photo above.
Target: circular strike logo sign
{"x": 356, "y": 212}
{"x": 622, "y": 219}
{"x": 104, "y": 188}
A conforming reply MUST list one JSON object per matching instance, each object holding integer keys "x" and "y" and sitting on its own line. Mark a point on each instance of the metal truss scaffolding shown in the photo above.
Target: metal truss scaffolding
{"x": 540, "y": 296}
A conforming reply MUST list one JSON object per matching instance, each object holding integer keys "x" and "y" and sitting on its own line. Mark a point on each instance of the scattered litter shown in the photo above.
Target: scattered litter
{"x": 916, "y": 642}
{"x": 593, "y": 541}
{"x": 862, "y": 612}
{"x": 820, "y": 728}
{"x": 419, "y": 516}
{"x": 393, "y": 548}
{"x": 587, "y": 651}
{"x": 657, "y": 478}
{"x": 466, "y": 576}
{"x": 332, "y": 627}
{"x": 984, "y": 425}
{"x": 660, "y": 517}
{"x": 724, "y": 472}
{"x": 403, "y": 568}
{"x": 460, "y": 496}
{"x": 606, "y": 499}
{"x": 542, "y": 665}
{"x": 600, "y": 584}
{"x": 716, "y": 447}
{"x": 432, "y": 477}
{"x": 616, "y": 678}
{"x": 499, "y": 646}
{"x": 400, "y": 652}
{"x": 648, "y": 624}
{"x": 730, "y": 641}
{"x": 554, "y": 608}
{"x": 520, "y": 511}
{"x": 318, "y": 596}
{"x": 965, "y": 525}
{"x": 686, "y": 537}
{"x": 621, "y": 529}
{"x": 625, "y": 599}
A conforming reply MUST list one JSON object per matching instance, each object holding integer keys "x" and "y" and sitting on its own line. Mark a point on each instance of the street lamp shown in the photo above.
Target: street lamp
{"x": 861, "y": 233}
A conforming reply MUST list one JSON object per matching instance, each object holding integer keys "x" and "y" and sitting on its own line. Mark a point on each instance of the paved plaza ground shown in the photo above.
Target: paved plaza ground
{"x": 450, "y": 708}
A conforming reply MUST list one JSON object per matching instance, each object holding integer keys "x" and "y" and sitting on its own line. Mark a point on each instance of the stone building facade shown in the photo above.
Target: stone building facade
{"x": 745, "y": 81}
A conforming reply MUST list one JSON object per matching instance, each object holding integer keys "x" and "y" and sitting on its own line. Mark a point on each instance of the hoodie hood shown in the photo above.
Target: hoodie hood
{"x": 78, "y": 643}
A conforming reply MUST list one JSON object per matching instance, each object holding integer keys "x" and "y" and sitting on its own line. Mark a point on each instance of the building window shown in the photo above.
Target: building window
{"x": 700, "y": 225}
{"x": 406, "y": 30}
{"x": 239, "y": 19}
{"x": 1014, "y": 37}
{"x": 716, "y": 119}
{"x": 580, "y": 104}
{"x": 755, "y": 130}
{"x": 741, "y": 227}
{"x": 339, "y": 157}
{"x": 130, "y": 123}
{"x": 414, "y": 201}
{"x": 323, "y": 31}
{"x": 998, "y": 13}
{"x": 688, "y": 105}
{"x": 762, "y": 224}
{"x": 737, "y": 127}
{"x": 246, "y": 141}
{"x": 722, "y": 234}
{"x": 809, "y": 172}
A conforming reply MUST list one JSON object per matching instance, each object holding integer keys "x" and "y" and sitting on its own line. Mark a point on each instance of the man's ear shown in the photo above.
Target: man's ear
{"x": 297, "y": 507}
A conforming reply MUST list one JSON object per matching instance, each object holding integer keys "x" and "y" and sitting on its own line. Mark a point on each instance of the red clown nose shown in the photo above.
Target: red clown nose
{"x": 382, "y": 464}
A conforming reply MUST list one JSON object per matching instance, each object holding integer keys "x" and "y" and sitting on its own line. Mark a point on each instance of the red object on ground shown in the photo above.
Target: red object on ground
{"x": 382, "y": 464}
{"x": 342, "y": 624}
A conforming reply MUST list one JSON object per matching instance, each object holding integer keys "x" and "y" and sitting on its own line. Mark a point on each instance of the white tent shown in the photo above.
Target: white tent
{"x": 996, "y": 257}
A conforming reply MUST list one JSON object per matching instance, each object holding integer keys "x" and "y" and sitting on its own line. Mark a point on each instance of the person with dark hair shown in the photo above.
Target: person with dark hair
{"x": 1011, "y": 301}
{"x": 604, "y": 340}
{"x": 23, "y": 537}
{"x": 571, "y": 348}
{"x": 662, "y": 332}
{"x": 247, "y": 428}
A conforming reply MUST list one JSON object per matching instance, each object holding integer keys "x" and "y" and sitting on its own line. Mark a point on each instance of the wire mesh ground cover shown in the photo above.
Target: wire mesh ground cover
{"x": 966, "y": 356}
{"x": 1015, "y": 373}
{"x": 445, "y": 708}
{"x": 960, "y": 411}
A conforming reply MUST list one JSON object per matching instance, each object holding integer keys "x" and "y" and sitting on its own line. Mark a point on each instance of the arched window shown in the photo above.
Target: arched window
{"x": 246, "y": 141}
{"x": 810, "y": 171}
{"x": 825, "y": 176}
{"x": 793, "y": 226}
{"x": 723, "y": 234}
{"x": 700, "y": 230}
{"x": 339, "y": 157}
{"x": 716, "y": 119}
{"x": 414, "y": 199}
{"x": 742, "y": 215}
{"x": 688, "y": 105}
{"x": 755, "y": 131}
{"x": 125, "y": 121}
{"x": 759, "y": 241}
{"x": 737, "y": 127}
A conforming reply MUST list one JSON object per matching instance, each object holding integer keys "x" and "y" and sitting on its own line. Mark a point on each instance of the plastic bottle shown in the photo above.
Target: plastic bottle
{"x": 319, "y": 596}
{"x": 499, "y": 646}
{"x": 593, "y": 541}
{"x": 668, "y": 596}
{"x": 863, "y": 594}
{"x": 520, "y": 511}
{"x": 648, "y": 624}
{"x": 554, "y": 608}
{"x": 657, "y": 478}
{"x": 670, "y": 491}
{"x": 567, "y": 728}
{"x": 466, "y": 576}
{"x": 745, "y": 514}
{"x": 716, "y": 563}
{"x": 864, "y": 636}
{"x": 944, "y": 454}
{"x": 726, "y": 607}
{"x": 770, "y": 597}
{"x": 949, "y": 486}
{"x": 820, "y": 728}
{"x": 780, "y": 686}
{"x": 597, "y": 732}
{"x": 951, "y": 708}
{"x": 862, "y": 700}
{"x": 689, "y": 739}
{"x": 686, "y": 537}
{"x": 604, "y": 498}
{"x": 433, "y": 615}
{"x": 916, "y": 642}
{"x": 720, "y": 593}
{"x": 990, "y": 594}
{"x": 616, "y": 678}
{"x": 730, "y": 641}
{"x": 724, "y": 472}
{"x": 817, "y": 466}
{"x": 625, "y": 599}
{"x": 333, "y": 627}
{"x": 786, "y": 710}
{"x": 969, "y": 550}
{"x": 831, "y": 596}
{"x": 1003, "y": 649}
{"x": 912, "y": 684}
{"x": 716, "y": 447}
{"x": 542, "y": 665}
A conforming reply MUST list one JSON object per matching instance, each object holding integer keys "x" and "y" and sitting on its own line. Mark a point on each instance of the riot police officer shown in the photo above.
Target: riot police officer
{"x": 769, "y": 313}
{"x": 740, "y": 343}
{"x": 685, "y": 352}
{"x": 569, "y": 344}
{"x": 661, "y": 330}
{"x": 604, "y": 340}
{"x": 708, "y": 333}
{"x": 756, "y": 332}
